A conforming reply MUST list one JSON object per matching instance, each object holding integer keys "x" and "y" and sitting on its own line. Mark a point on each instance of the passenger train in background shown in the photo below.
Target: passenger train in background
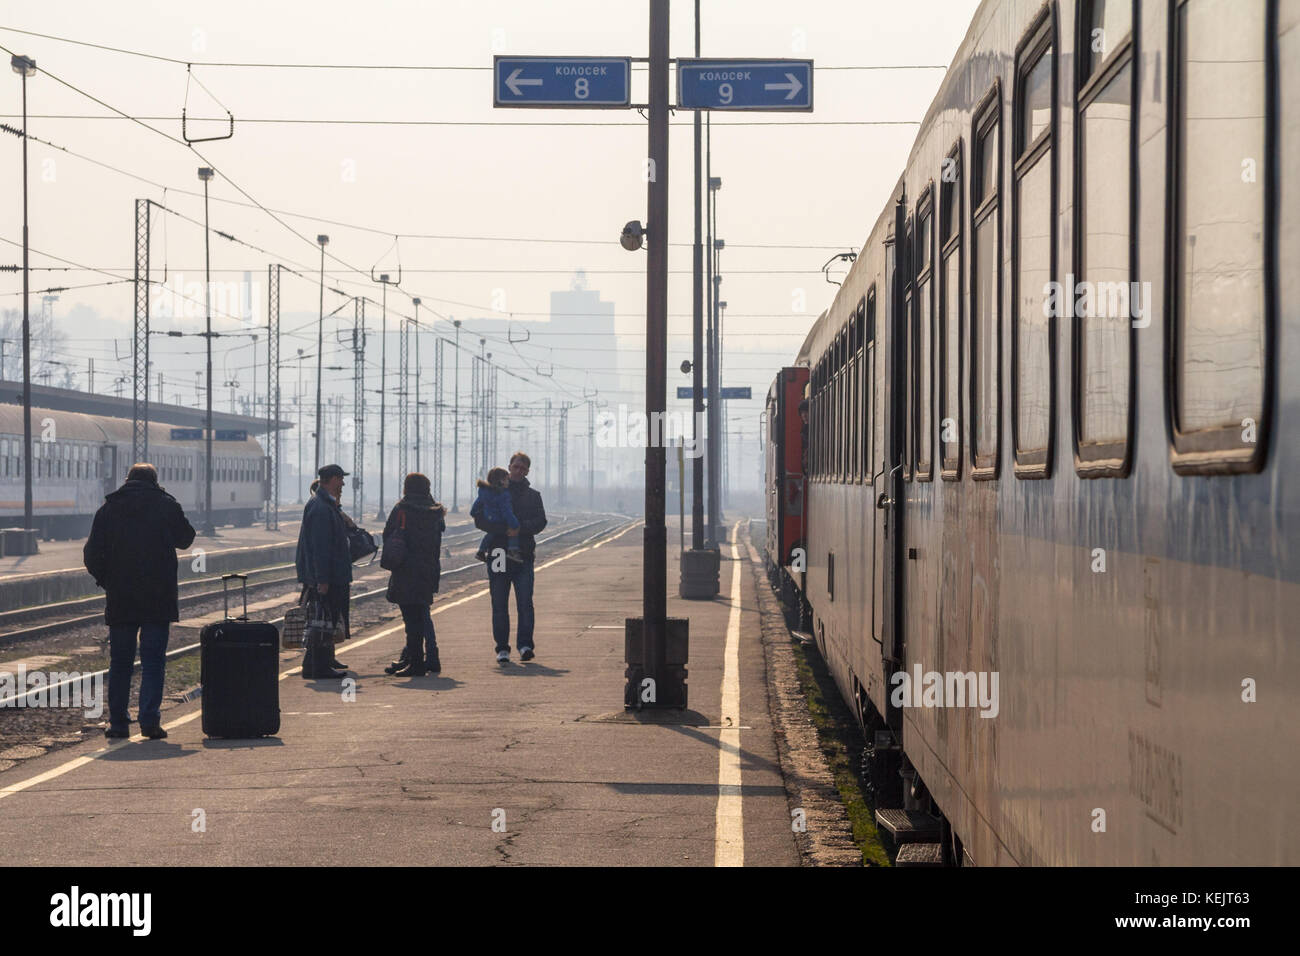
{"x": 1089, "y": 488}
{"x": 79, "y": 458}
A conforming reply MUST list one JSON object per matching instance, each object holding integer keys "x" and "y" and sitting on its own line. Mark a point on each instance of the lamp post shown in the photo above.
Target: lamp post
{"x": 714, "y": 416}
{"x": 205, "y": 174}
{"x": 298, "y": 402}
{"x": 415, "y": 332}
{"x": 455, "y": 429}
{"x": 25, "y": 66}
{"x": 724, "y": 473}
{"x": 320, "y": 344}
{"x": 384, "y": 371}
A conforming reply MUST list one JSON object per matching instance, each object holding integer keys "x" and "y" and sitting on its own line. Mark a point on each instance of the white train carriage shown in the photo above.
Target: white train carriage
{"x": 79, "y": 458}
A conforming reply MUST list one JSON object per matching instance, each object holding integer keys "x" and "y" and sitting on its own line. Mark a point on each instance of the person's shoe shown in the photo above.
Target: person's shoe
{"x": 503, "y": 657}
{"x": 117, "y": 733}
{"x": 432, "y": 665}
{"x": 154, "y": 733}
{"x": 315, "y": 664}
{"x": 335, "y": 662}
{"x": 309, "y": 660}
{"x": 525, "y": 653}
{"x": 398, "y": 664}
{"x": 412, "y": 668}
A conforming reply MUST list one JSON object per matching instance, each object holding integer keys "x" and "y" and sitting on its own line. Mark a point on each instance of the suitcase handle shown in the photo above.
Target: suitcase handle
{"x": 225, "y": 594}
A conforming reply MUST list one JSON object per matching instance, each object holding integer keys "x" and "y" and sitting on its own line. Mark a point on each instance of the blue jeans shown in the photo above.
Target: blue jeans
{"x": 153, "y": 648}
{"x": 419, "y": 624}
{"x": 499, "y": 582}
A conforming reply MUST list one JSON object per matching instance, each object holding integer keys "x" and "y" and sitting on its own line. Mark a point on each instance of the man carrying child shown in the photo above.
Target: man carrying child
{"x": 525, "y": 506}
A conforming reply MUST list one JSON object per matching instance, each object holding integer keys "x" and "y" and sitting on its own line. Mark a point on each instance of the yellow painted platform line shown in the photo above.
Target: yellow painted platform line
{"x": 729, "y": 823}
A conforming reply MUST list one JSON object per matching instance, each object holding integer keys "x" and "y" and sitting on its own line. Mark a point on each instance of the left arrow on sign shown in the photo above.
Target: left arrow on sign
{"x": 513, "y": 82}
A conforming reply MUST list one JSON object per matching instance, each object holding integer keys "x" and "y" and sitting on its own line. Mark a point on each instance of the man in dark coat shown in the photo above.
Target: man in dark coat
{"x": 324, "y": 564}
{"x": 412, "y": 552}
{"x": 131, "y": 554}
{"x": 502, "y": 575}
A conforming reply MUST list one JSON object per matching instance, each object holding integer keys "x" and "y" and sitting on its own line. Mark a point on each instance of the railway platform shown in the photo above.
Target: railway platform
{"x": 528, "y": 763}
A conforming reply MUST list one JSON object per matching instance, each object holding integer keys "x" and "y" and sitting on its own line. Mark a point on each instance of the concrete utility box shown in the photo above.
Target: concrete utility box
{"x": 19, "y": 541}
{"x": 670, "y": 688}
{"x": 700, "y": 574}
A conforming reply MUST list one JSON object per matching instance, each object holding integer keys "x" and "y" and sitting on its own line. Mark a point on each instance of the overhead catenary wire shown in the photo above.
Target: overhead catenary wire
{"x": 420, "y": 67}
{"x": 442, "y": 237}
{"x": 141, "y": 121}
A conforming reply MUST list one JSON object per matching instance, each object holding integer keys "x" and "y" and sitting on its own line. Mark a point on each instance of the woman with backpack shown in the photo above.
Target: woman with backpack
{"x": 412, "y": 546}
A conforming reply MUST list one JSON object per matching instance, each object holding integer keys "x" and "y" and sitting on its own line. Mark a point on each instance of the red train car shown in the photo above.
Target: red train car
{"x": 787, "y": 437}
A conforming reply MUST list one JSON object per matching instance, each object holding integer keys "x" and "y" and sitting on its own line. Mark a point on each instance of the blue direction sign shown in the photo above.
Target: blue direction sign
{"x": 576, "y": 81}
{"x": 736, "y": 391}
{"x": 745, "y": 85}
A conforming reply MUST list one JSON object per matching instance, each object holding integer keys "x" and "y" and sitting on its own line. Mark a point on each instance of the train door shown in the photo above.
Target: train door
{"x": 108, "y": 467}
{"x": 889, "y": 489}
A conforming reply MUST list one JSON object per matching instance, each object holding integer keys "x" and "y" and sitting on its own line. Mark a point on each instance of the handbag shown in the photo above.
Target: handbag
{"x": 395, "y": 547}
{"x": 294, "y": 631}
{"x": 320, "y": 614}
{"x": 361, "y": 544}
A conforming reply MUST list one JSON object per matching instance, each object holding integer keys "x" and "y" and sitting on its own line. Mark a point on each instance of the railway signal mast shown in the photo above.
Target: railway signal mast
{"x": 25, "y": 66}
{"x": 656, "y": 646}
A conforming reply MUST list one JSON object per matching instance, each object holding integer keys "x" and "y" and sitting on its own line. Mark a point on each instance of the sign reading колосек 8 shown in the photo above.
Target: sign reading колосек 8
{"x": 563, "y": 81}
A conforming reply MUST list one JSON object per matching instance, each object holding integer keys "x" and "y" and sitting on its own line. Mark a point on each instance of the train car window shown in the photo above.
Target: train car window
{"x": 868, "y": 387}
{"x": 950, "y": 376}
{"x": 851, "y": 421}
{"x": 1108, "y": 25}
{"x": 908, "y": 390}
{"x": 986, "y": 286}
{"x": 1221, "y": 299}
{"x": 855, "y": 394}
{"x": 815, "y": 421}
{"x": 1103, "y": 251}
{"x": 841, "y": 399}
{"x": 924, "y": 337}
{"x": 1033, "y": 254}
{"x": 830, "y": 410}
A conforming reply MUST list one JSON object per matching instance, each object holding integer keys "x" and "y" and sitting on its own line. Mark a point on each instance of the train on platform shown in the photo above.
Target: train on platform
{"x": 1042, "y": 520}
{"x": 78, "y": 458}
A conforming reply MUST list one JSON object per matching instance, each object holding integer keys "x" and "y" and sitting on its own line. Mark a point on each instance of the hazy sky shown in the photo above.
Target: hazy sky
{"x": 813, "y": 186}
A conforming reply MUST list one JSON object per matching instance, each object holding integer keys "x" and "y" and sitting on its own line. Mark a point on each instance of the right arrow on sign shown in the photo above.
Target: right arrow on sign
{"x": 736, "y": 84}
{"x": 794, "y": 86}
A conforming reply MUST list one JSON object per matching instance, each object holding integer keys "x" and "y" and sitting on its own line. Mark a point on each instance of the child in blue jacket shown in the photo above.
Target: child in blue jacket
{"x": 494, "y": 504}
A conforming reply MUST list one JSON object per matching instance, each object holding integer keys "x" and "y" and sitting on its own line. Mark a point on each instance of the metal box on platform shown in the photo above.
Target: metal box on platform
{"x": 669, "y": 689}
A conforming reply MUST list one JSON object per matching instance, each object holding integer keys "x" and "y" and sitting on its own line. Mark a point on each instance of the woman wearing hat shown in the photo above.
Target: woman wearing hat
{"x": 324, "y": 564}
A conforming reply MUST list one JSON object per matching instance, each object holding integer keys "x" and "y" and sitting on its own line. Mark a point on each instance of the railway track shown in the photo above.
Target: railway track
{"x": 83, "y": 612}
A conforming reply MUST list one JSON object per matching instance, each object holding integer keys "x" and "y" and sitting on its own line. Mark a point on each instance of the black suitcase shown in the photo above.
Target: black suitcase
{"x": 239, "y": 670}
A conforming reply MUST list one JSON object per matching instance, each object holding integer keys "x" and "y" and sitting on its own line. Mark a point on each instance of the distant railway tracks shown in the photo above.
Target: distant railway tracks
{"x": 84, "y": 612}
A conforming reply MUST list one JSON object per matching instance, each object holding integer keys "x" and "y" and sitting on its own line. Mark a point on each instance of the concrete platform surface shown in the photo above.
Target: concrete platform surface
{"x": 530, "y": 763}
